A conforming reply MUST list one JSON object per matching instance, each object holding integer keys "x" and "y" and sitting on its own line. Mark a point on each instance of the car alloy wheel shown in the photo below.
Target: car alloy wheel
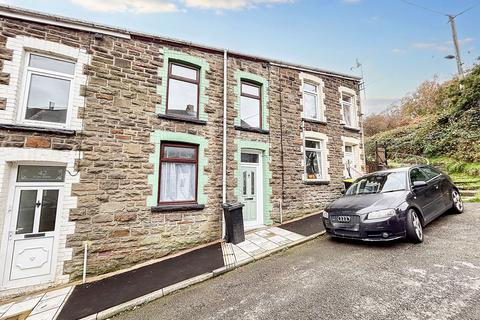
{"x": 457, "y": 201}
{"x": 417, "y": 225}
{"x": 414, "y": 227}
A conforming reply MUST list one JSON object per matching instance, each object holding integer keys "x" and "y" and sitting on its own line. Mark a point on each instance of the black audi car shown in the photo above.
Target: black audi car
{"x": 392, "y": 204}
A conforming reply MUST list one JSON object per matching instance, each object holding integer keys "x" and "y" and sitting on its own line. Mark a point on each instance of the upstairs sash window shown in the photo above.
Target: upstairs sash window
{"x": 48, "y": 86}
{"x": 250, "y": 105}
{"x": 348, "y": 110}
{"x": 310, "y": 101}
{"x": 183, "y": 90}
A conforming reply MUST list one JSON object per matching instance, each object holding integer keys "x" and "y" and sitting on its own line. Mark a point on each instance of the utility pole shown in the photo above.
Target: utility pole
{"x": 451, "y": 20}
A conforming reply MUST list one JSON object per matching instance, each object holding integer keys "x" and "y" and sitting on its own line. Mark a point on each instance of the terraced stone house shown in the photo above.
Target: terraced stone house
{"x": 131, "y": 142}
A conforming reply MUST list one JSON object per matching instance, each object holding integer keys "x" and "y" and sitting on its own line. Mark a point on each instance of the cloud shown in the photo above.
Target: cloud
{"x": 134, "y": 6}
{"x": 155, "y": 6}
{"x": 398, "y": 50}
{"x": 380, "y": 104}
{"x": 231, "y": 4}
{"x": 431, "y": 46}
{"x": 441, "y": 46}
{"x": 463, "y": 41}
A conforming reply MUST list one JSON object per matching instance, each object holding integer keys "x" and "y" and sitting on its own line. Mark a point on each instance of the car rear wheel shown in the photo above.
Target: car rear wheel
{"x": 457, "y": 201}
{"x": 414, "y": 227}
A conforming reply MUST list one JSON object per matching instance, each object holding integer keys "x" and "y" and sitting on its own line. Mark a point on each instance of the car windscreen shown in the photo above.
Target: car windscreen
{"x": 379, "y": 183}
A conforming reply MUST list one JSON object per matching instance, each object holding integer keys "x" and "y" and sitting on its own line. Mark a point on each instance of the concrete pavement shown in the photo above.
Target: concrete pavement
{"x": 326, "y": 279}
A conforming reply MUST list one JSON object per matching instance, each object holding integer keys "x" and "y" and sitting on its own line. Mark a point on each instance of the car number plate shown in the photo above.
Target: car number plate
{"x": 344, "y": 219}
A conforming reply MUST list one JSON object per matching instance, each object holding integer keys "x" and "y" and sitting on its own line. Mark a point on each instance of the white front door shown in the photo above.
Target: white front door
{"x": 251, "y": 189}
{"x": 31, "y": 231}
{"x": 349, "y": 162}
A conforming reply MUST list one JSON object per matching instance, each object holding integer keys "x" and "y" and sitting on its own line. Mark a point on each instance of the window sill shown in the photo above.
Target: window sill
{"x": 311, "y": 120}
{"x": 316, "y": 182}
{"x": 257, "y": 130}
{"x": 177, "y": 207}
{"x": 351, "y": 128}
{"x": 184, "y": 119}
{"x": 21, "y": 127}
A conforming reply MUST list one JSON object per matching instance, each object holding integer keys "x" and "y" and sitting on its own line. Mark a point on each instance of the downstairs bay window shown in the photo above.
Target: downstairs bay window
{"x": 178, "y": 173}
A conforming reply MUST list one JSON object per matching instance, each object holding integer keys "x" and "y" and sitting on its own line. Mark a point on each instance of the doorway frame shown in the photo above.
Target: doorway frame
{"x": 12, "y": 186}
{"x": 259, "y": 222}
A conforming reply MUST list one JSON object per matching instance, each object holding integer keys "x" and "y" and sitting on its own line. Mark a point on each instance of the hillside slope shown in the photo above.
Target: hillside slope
{"x": 452, "y": 131}
{"x": 448, "y": 135}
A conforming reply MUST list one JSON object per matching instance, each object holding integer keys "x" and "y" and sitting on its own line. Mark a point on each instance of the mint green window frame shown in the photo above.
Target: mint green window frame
{"x": 256, "y": 79}
{"x": 183, "y": 58}
{"x": 166, "y": 136}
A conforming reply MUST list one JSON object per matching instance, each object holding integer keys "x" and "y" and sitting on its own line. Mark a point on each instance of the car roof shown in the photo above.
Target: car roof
{"x": 401, "y": 169}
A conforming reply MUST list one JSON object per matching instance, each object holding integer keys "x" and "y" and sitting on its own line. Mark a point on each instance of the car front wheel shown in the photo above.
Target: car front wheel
{"x": 414, "y": 227}
{"x": 457, "y": 201}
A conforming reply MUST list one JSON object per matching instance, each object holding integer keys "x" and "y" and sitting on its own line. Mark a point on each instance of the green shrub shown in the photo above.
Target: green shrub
{"x": 453, "y": 131}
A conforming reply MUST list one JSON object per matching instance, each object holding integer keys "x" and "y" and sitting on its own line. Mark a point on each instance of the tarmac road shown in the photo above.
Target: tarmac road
{"x": 327, "y": 279}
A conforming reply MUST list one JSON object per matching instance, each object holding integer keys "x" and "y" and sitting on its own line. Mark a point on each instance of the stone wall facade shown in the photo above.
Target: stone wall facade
{"x": 118, "y": 143}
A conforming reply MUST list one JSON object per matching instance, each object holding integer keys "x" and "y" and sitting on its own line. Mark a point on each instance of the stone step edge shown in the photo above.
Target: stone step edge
{"x": 132, "y": 304}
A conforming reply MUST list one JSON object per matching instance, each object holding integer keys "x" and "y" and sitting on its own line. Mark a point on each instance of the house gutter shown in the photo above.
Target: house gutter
{"x": 314, "y": 70}
{"x": 224, "y": 159}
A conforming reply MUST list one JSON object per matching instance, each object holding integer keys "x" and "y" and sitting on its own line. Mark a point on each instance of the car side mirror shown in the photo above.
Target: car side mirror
{"x": 419, "y": 184}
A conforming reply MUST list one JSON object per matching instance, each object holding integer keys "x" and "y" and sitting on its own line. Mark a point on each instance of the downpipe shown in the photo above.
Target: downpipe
{"x": 224, "y": 159}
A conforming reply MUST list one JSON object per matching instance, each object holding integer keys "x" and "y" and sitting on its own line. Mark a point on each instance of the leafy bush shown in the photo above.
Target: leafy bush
{"x": 453, "y": 130}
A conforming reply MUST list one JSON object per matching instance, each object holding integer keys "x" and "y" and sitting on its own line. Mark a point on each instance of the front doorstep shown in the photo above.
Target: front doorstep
{"x": 249, "y": 229}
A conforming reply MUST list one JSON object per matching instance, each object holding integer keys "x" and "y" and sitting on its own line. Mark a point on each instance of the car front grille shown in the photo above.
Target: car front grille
{"x": 345, "y": 219}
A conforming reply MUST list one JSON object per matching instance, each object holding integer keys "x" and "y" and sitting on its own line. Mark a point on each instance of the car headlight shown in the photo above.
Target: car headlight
{"x": 381, "y": 214}
{"x": 325, "y": 214}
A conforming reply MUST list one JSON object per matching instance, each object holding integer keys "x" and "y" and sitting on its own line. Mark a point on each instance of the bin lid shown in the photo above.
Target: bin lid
{"x": 232, "y": 205}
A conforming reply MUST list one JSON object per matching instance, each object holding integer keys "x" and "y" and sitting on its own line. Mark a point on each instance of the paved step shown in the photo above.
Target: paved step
{"x": 464, "y": 187}
{"x": 466, "y": 181}
{"x": 468, "y": 193}
{"x": 468, "y": 199}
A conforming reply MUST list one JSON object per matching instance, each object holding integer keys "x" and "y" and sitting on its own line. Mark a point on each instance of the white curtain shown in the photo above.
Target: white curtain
{"x": 177, "y": 182}
{"x": 347, "y": 114}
